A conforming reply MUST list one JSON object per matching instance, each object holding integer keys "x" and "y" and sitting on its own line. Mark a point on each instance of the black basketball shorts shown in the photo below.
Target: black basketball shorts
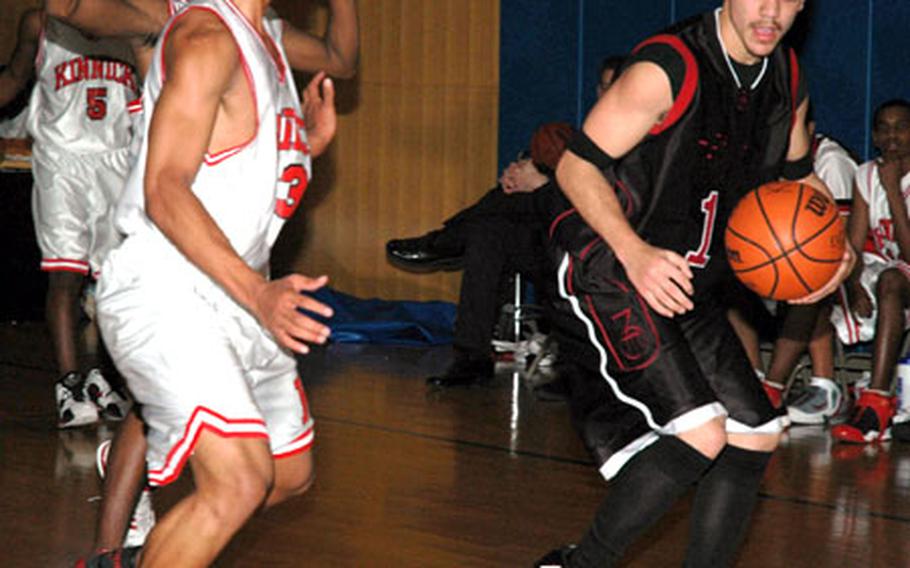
{"x": 667, "y": 375}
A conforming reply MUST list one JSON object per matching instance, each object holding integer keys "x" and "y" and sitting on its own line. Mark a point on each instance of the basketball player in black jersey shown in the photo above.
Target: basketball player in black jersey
{"x": 702, "y": 113}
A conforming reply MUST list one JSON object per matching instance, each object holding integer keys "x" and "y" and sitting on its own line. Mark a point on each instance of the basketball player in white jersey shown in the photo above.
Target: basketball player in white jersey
{"x": 201, "y": 335}
{"x": 140, "y": 22}
{"x": 78, "y": 119}
{"x": 875, "y": 299}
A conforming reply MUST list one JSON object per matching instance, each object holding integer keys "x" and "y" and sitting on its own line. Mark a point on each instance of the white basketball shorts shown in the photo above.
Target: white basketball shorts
{"x": 73, "y": 201}
{"x": 196, "y": 361}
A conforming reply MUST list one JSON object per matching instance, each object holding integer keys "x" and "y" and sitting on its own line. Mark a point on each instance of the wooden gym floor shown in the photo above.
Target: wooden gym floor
{"x": 407, "y": 478}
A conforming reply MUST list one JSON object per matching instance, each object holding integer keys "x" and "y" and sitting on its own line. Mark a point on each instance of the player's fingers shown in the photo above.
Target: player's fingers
{"x": 289, "y": 342}
{"x": 328, "y": 90}
{"x": 675, "y": 299}
{"x": 298, "y": 324}
{"x": 303, "y": 283}
{"x": 308, "y": 303}
{"x": 679, "y": 263}
{"x": 312, "y": 88}
{"x": 659, "y": 302}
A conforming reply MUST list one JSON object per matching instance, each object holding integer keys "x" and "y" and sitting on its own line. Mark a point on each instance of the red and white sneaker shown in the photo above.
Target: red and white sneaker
{"x": 111, "y": 404}
{"x": 870, "y": 421}
{"x": 143, "y": 519}
{"x": 775, "y": 392}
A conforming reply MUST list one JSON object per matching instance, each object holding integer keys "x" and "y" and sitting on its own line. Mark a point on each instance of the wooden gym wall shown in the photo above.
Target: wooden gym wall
{"x": 417, "y": 141}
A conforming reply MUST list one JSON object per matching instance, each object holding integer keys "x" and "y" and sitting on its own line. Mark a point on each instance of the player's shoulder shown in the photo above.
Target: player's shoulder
{"x": 202, "y": 34}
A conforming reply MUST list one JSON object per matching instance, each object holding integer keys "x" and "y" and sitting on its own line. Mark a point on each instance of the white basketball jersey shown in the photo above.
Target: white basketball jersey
{"x": 881, "y": 226}
{"x": 79, "y": 103}
{"x": 834, "y": 165}
{"x": 250, "y": 189}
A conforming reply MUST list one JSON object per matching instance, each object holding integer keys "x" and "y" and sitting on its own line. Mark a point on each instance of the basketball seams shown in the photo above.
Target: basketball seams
{"x": 770, "y": 262}
{"x": 800, "y": 253}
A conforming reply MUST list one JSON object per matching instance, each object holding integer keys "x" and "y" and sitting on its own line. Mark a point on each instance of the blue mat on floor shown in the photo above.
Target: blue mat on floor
{"x": 387, "y": 322}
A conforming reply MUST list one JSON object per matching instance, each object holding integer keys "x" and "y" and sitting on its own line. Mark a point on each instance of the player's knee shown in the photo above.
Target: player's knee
{"x": 757, "y": 442}
{"x": 292, "y": 482}
{"x": 890, "y": 283}
{"x": 241, "y": 491}
{"x": 709, "y": 438}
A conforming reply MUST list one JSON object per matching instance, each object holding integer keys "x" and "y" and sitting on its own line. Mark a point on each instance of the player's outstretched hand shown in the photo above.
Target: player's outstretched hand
{"x": 843, "y": 271}
{"x": 319, "y": 113}
{"x": 662, "y": 278}
{"x": 276, "y": 307}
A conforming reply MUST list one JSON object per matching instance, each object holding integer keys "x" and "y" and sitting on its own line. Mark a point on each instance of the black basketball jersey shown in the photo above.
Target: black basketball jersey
{"x": 718, "y": 141}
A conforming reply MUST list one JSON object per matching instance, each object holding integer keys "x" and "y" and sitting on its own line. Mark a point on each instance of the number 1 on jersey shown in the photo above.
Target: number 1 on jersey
{"x": 700, "y": 257}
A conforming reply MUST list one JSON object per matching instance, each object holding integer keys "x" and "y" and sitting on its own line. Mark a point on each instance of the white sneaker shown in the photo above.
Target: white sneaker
{"x": 72, "y": 407}
{"x": 819, "y": 402}
{"x": 143, "y": 519}
{"x": 111, "y": 404}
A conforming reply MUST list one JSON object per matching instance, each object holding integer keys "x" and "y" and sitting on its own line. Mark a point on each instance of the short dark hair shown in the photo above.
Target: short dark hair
{"x": 891, "y": 103}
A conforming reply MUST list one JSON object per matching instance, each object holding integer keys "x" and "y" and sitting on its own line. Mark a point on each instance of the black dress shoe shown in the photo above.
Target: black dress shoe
{"x": 557, "y": 558}
{"x": 465, "y": 372}
{"x": 423, "y": 253}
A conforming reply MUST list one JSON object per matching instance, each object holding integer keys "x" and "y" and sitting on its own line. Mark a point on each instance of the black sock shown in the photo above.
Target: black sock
{"x": 640, "y": 495}
{"x": 723, "y": 506}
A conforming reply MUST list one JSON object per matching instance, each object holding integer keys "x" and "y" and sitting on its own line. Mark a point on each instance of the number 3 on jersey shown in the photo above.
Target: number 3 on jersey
{"x": 291, "y": 187}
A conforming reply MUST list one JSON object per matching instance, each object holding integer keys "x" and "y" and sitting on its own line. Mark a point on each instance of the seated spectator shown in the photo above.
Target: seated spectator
{"x": 499, "y": 235}
{"x": 492, "y": 240}
{"x": 802, "y": 325}
{"x": 878, "y": 290}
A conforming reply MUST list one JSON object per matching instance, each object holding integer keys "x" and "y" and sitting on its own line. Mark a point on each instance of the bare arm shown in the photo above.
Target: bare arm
{"x": 891, "y": 172}
{"x": 857, "y": 230}
{"x": 202, "y": 67}
{"x": 21, "y": 66}
{"x": 617, "y": 123}
{"x": 127, "y": 19}
{"x": 800, "y": 143}
{"x": 336, "y": 53}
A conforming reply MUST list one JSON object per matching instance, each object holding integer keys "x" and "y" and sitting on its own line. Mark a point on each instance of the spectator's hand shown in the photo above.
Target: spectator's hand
{"x": 276, "y": 306}
{"x": 890, "y": 171}
{"x": 662, "y": 278}
{"x": 843, "y": 271}
{"x": 860, "y": 302}
{"x": 319, "y": 115}
{"x": 521, "y": 177}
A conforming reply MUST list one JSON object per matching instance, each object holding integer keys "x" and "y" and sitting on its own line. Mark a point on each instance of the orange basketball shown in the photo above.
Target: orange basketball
{"x": 784, "y": 240}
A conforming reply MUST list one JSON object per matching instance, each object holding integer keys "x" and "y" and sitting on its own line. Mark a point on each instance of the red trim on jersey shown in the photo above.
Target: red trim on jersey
{"x": 215, "y": 158}
{"x": 280, "y": 68}
{"x": 134, "y": 106}
{"x": 588, "y": 247}
{"x": 203, "y": 419}
{"x": 64, "y": 265}
{"x": 298, "y": 445}
{"x": 794, "y": 87}
{"x": 559, "y": 219}
{"x": 690, "y": 81}
{"x": 570, "y": 272}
